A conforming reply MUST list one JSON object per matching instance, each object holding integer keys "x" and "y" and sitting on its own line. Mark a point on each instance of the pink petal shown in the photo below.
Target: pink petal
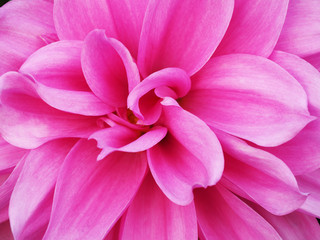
{"x": 27, "y": 122}
{"x": 314, "y": 60}
{"x": 189, "y": 156}
{"x": 90, "y": 196}
{"x": 121, "y": 19}
{"x": 221, "y": 215}
{"x": 56, "y": 69}
{"x": 254, "y": 28}
{"x": 153, "y": 216}
{"x": 250, "y": 97}
{"x": 31, "y": 200}
{"x": 22, "y": 25}
{"x": 5, "y": 231}
{"x": 264, "y": 178}
{"x": 146, "y": 104}
{"x": 181, "y": 34}
{"x": 300, "y": 33}
{"x": 109, "y": 68}
{"x": 305, "y": 73}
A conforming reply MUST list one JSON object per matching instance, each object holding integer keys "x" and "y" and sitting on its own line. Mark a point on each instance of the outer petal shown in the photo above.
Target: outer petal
{"x": 31, "y": 200}
{"x": 181, "y": 33}
{"x": 152, "y": 215}
{"x": 301, "y": 30}
{"x": 254, "y": 28}
{"x": 121, "y": 19}
{"x": 189, "y": 156}
{"x": 221, "y": 215}
{"x": 56, "y": 69}
{"x": 27, "y": 122}
{"x": 90, "y": 196}
{"x": 263, "y": 177}
{"x": 250, "y": 97}
{"x": 109, "y": 68}
{"x": 23, "y": 27}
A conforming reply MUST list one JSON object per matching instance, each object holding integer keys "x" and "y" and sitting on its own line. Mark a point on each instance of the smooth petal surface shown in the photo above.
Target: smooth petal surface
{"x": 301, "y": 30}
{"x": 189, "y": 156}
{"x": 31, "y": 200}
{"x": 181, "y": 34}
{"x": 264, "y": 178}
{"x": 250, "y": 97}
{"x": 5, "y": 231}
{"x": 152, "y": 215}
{"x": 27, "y": 122}
{"x": 90, "y": 196}
{"x": 254, "y": 28}
{"x": 120, "y": 18}
{"x": 23, "y": 24}
{"x": 314, "y": 60}
{"x": 108, "y": 68}
{"x": 222, "y": 215}
{"x": 56, "y": 70}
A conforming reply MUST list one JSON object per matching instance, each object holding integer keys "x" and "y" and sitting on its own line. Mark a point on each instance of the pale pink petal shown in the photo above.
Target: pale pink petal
{"x": 5, "y": 231}
{"x": 31, "y": 200}
{"x": 254, "y": 28}
{"x": 152, "y": 215}
{"x": 108, "y": 68}
{"x": 310, "y": 183}
{"x": 250, "y": 97}
{"x": 181, "y": 34}
{"x": 56, "y": 69}
{"x": 264, "y": 178}
{"x": 121, "y": 19}
{"x": 222, "y": 215}
{"x": 22, "y": 25}
{"x": 27, "y": 122}
{"x": 305, "y": 73}
{"x": 300, "y": 33}
{"x": 123, "y": 139}
{"x": 189, "y": 156}
{"x": 90, "y": 196}
{"x": 145, "y": 103}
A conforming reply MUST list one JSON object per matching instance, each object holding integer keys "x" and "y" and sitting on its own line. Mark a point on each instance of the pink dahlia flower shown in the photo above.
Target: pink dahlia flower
{"x": 171, "y": 119}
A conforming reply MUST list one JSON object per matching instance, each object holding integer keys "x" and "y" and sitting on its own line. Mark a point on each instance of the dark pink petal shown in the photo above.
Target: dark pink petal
{"x": 305, "y": 73}
{"x": 168, "y": 81}
{"x": 27, "y": 122}
{"x": 181, "y": 34}
{"x": 152, "y": 215}
{"x": 108, "y": 68}
{"x": 5, "y": 231}
{"x": 250, "y": 97}
{"x": 90, "y": 196}
{"x": 31, "y": 200}
{"x": 56, "y": 70}
{"x": 264, "y": 178}
{"x": 189, "y": 156}
{"x": 222, "y": 215}
{"x": 314, "y": 60}
{"x": 121, "y": 19}
{"x": 300, "y": 33}
{"x": 22, "y": 27}
{"x": 310, "y": 183}
{"x": 254, "y": 28}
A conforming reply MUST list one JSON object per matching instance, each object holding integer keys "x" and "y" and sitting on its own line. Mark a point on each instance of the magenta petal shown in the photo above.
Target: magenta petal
{"x": 27, "y": 122}
{"x": 261, "y": 173}
{"x": 22, "y": 25}
{"x": 254, "y": 28}
{"x": 314, "y": 60}
{"x": 185, "y": 36}
{"x": 108, "y": 68}
{"x": 222, "y": 215}
{"x": 121, "y": 19}
{"x": 29, "y": 218}
{"x": 56, "y": 69}
{"x": 152, "y": 215}
{"x": 5, "y": 231}
{"x": 250, "y": 97}
{"x": 99, "y": 192}
{"x": 189, "y": 156}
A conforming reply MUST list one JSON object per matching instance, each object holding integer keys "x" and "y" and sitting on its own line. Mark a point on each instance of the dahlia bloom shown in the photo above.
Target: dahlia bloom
{"x": 148, "y": 119}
